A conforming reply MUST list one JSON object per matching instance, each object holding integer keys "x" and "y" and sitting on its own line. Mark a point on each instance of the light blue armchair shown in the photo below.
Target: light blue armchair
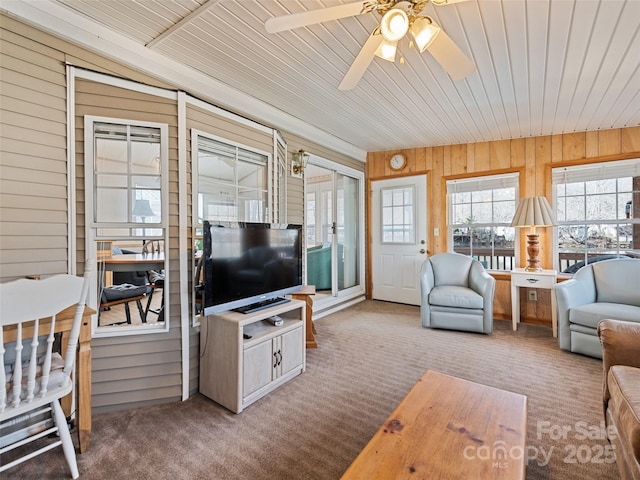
{"x": 457, "y": 294}
{"x": 598, "y": 291}
{"x": 319, "y": 266}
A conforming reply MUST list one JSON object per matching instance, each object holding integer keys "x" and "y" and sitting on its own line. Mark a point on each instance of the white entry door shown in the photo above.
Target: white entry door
{"x": 399, "y": 237}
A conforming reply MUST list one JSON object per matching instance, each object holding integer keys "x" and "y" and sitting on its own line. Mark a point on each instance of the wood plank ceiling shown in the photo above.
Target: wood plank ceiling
{"x": 543, "y": 66}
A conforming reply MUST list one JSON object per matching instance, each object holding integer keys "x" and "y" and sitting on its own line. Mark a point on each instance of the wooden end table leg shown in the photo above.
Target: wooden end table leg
{"x": 83, "y": 371}
{"x": 309, "y": 325}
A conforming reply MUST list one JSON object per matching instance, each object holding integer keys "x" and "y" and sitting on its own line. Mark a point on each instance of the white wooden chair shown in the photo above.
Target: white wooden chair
{"x": 34, "y": 377}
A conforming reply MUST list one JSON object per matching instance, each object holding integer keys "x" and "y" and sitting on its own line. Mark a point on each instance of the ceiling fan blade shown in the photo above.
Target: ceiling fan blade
{"x": 449, "y": 55}
{"x": 362, "y": 61}
{"x": 312, "y": 17}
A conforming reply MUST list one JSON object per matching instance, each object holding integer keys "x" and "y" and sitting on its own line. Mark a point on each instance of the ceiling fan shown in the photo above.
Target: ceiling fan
{"x": 399, "y": 18}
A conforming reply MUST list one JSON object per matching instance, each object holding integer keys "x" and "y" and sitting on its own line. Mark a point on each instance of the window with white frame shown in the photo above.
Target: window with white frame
{"x": 327, "y": 217}
{"x": 235, "y": 183}
{"x": 232, "y": 182}
{"x": 126, "y": 210}
{"x": 311, "y": 218}
{"x": 480, "y": 211}
{"x": 278, "y": 182}
{"x": 598, "y": 212}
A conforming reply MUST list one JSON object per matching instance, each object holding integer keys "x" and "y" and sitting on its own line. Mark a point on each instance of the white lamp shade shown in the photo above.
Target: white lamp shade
{"x": 424, "y": 31}
{"x": 394, "y": 24}
{"x": 142, "y": 208}
{"x": 534, "y": 212}
{"x": 387, "y": 50}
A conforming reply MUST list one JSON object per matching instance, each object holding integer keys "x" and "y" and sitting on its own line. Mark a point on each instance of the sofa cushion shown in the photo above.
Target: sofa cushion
{"x": 56, "y": 375}
{"x": 590, "y": 314}
{"x": 454, "y": 296}
{"x": 624, "y": 404}
{"x": 121, "y": 292}
{"x": 617, "y": 281}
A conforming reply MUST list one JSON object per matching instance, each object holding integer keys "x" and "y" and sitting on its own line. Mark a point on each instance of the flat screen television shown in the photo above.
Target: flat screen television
{"x": 249, "y": 266}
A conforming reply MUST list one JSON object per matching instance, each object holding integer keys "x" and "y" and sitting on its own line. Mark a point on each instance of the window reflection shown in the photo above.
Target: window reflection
{"x": 125, "y": 171}
{"x": 232, "y": 186}
{"x": 232, "y": 183}
{"x": 131, "y": 280}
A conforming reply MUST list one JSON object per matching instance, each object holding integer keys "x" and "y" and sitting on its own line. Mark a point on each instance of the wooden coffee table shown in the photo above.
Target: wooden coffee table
{"x": 448, "y": 428}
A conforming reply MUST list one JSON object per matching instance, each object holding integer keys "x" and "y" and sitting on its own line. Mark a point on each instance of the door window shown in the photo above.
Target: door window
{"x": 334, "y": 227}
{"x": 398, "y": 215}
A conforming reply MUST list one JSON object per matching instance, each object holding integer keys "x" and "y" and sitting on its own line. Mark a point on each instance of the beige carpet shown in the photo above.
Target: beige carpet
{"x": 370, "y": 355}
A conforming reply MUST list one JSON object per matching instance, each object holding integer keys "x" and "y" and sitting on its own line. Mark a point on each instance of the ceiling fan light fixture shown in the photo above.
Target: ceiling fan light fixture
{"x": 424, "y": 31}
{"x": 387, "y": 50}
{"x": 394, "y": 24}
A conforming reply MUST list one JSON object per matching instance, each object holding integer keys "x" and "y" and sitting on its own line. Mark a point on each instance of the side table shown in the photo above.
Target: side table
{"x": 541, "y": 279}
{"x": 306, "y": 296}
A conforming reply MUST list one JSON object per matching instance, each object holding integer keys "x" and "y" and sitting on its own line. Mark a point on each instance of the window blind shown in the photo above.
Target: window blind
{"x": 598, "y": 171}
{"x": 482, "y": 183}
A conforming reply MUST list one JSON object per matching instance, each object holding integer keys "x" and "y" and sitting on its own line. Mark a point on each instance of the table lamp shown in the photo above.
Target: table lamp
{"x": 142, "y": 209}
{"x": 533, "y": 212}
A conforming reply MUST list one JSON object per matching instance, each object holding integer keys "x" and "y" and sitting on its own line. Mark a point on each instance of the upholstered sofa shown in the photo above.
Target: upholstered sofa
{"x": 456, "y": 294}
{"x": 621, "y": 396}
{"x": 607, "y": 289}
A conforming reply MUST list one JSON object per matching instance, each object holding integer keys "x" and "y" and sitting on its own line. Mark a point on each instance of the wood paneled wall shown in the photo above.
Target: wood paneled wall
{"x": 533, "y": 157}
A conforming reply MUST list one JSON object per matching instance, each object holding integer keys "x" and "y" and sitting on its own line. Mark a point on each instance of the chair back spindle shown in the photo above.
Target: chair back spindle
{"x": 34, "y": 377}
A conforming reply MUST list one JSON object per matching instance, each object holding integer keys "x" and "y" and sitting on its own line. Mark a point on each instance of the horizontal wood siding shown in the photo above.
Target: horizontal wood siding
{"x": 228, "y": 129}
{"x": 140, "y": 369}
{"x": 33, "y": 163}
{"x": 130, "y": 371}
{"x": 233, "y": 131}
{"x": 533, "y": 157}
{"x": 295, "y": 186}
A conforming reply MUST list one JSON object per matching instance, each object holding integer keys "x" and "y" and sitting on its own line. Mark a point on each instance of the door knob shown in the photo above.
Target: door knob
{"x": 422, "y": 250}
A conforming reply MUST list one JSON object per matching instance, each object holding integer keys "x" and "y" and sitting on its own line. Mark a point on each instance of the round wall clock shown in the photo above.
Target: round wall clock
{"x": 398, "y": 161}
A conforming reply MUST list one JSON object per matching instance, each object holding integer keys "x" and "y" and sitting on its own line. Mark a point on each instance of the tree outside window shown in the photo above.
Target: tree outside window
{"x": 480, "y": 214}
{"x": 597, "y": 219}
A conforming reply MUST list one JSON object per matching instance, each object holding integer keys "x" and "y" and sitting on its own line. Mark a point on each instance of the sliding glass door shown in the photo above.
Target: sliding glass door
{"x": 334, "y": 228}
{"x": 347, "y": 230}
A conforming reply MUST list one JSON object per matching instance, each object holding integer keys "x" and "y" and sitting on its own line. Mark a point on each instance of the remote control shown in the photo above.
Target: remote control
{"x": 246, "y": 336}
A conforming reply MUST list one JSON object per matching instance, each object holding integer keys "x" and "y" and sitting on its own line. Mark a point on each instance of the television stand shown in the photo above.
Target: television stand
{"x": 255, "y": 307}
{"x": 245, "y": 357}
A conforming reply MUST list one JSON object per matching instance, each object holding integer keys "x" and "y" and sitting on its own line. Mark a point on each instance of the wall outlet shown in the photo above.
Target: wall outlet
{"x": 533, "y": 295}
